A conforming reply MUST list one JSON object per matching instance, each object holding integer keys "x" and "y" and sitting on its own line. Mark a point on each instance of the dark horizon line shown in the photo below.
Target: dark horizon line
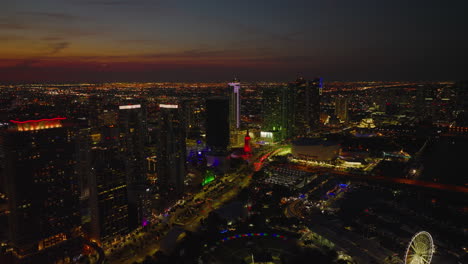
{"x": 210, "y": 81}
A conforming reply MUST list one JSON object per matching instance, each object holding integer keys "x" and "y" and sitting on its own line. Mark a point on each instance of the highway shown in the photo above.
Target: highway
{"x": 425, "y": 184}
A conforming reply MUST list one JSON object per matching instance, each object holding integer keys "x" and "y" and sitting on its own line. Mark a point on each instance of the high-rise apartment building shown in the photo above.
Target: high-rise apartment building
{"x": 275, "y": 112}
{"x": 41, "y": 186}
{"x": 171, "y": 150}
{"x": 305, "y": 105}
{"x": 461, "y": 93}
{"x": 194, "y": 117}
{"x": 234, "y": 104}
{"x": 461, "y": 103}
{"x": 108, "y": 188}
{"x": 341, "y": 109}
{"x": 133, "y": 138}
{"x": 425, "y": 96}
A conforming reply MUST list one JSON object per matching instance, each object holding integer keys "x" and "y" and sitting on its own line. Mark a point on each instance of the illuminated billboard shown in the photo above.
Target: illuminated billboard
{"x": 129, "y": 106}
{"x": 264, "y": 134}
{"x": 168, "y": 106}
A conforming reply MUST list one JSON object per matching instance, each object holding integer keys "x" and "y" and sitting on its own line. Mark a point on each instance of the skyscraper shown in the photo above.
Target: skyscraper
{"x": 218, "y": 132}
{"x": 341, "y": 109}
{"x": 193, "y": 116}
{"x": 133, "y": 137}
{"x": 426, "y": 97}
{"x": 41, "y": 185}
{"x": 108, "y": 188}
{"x": 234, "y": 104}
{"x": 461, "y": 93}
{"x": 275, "y": 112}
{"x": 217, "y": 124}
{"x": 305, "y": 105}
{"x": 171, "y": 150}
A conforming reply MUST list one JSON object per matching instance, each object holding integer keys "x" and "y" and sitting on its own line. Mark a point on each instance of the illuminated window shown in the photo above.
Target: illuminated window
{"x": 51, "y": 241}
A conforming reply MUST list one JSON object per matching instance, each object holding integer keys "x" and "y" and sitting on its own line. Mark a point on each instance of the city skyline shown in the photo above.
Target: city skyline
{"x": 122, "y": 40}
{"x": 139, "y": 172}
{"x": 234, "y": 132}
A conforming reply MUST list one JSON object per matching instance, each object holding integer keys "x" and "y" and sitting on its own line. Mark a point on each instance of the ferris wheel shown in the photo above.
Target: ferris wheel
{"x": 420, "y": 249}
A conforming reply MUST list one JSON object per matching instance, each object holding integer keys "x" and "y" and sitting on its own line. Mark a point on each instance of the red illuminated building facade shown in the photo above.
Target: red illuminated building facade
{"x": 31, "y": 125}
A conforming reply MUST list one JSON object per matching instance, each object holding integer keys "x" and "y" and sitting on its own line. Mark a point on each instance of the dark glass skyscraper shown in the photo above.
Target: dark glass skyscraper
{"x": 171, "y": 150}
{"x": 305, "y": 105}
{"x": 217, "y": 124}
{"x": 133, "y": 139}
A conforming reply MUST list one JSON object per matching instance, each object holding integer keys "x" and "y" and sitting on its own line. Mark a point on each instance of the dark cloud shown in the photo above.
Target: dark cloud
{"x": 197, "y": 53}
{"x": 245, "y": 29}
{"x": 149, "y": 41}
{"x": 6, "y": 38}
{"x": 271, "y": 68}
{"x": 14, "y": 26}
{"x": 23, "y": 65}
{"x": 53, "y": 23}
{"x": 51, "y": 38}
{"x": 57, "y": 47}
{"x": 31, "y": 63}
{"x": 50, "y": 16}
{"x": 115, "y": 2}
{"x": 11, "y": 24}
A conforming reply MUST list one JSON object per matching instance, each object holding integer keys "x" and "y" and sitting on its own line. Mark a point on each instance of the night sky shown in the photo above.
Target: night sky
{"x": 210, "y": 40}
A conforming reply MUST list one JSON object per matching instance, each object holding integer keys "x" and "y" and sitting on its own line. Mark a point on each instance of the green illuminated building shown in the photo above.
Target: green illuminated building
{"x": 275, "y": 113}
{"x": 291, "y": 111}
